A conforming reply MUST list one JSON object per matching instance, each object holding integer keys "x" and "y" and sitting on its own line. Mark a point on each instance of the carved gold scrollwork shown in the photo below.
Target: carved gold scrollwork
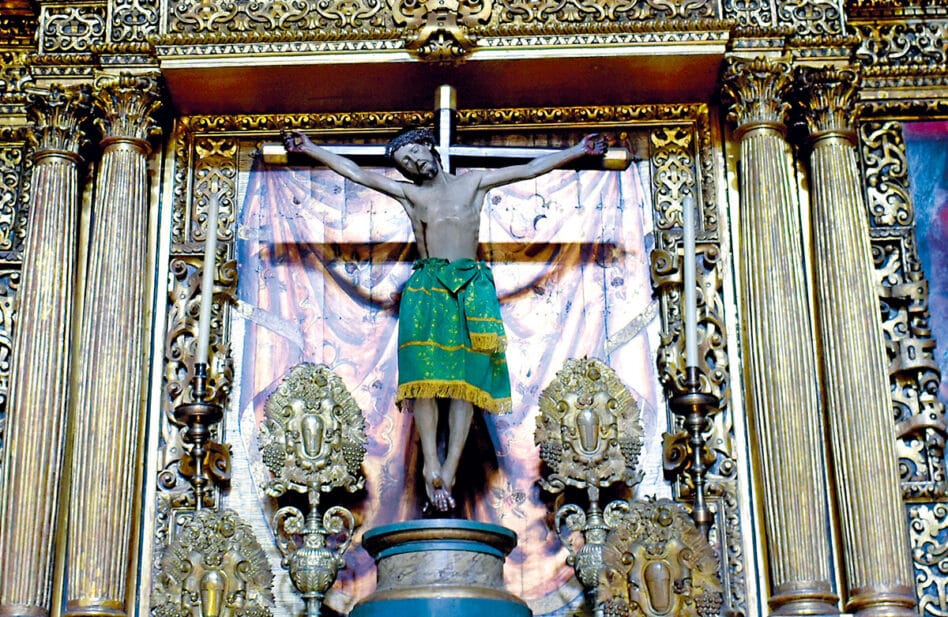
{"x": 71, "y": 28}
{"x": 928, "y": 524}
{"x": 903, "y": 43}
{"x": 886, "y": 172}
{"x": 215, "y": 172}
{"x": 811, "y": 17}
{"x": 15, "y": 172}
{"x": 213, "y": 567}
{"x": 269, "y": 16}
{"x": 441, "y": 28}
{"x": 589, "y": 11}
{"x": 903, "y": 291}
{"x": 751, "y": 13}
{"x": 672, "y": 169}
{"x": 132, "y": 20}
{"x": 656, "y": 562}
{"x": 180, "y": 348}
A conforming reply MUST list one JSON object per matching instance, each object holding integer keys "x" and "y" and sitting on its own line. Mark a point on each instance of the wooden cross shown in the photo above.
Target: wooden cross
{"x": 615, "y": 158}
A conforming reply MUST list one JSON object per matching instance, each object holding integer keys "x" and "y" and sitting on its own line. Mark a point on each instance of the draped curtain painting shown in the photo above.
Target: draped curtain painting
{"x": 321, "y": 262}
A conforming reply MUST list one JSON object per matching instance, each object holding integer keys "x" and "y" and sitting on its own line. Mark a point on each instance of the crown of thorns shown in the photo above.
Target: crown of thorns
{"x": 412, "y": 136}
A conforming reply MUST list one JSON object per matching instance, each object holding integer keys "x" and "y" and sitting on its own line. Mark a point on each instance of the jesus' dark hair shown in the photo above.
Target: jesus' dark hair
{"x": 410, "y": 136}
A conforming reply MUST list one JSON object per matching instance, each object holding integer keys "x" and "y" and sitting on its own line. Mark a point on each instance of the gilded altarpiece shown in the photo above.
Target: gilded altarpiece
{"x": 587, "y": 262}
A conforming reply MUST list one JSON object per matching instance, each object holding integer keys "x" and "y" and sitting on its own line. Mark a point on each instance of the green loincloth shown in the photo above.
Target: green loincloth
{"x": 450, "y": 335}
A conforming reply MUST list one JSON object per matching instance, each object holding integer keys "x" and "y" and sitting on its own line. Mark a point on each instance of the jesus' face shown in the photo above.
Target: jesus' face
{"x": 417, "y": 162}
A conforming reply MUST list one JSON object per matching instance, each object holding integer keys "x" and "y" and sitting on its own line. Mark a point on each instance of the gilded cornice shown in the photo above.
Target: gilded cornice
{"x": 468, "y": 119}
{"x": 756, "y": 90}
{"x": 828, "y": 97}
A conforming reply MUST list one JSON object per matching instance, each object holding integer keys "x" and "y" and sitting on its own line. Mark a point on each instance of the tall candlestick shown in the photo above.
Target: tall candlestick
{"x": 689, "y": 284}
{"x": 207, "y": 282}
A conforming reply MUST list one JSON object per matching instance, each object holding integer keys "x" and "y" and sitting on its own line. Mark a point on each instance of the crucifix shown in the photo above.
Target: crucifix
{"x": 451, "y": 338}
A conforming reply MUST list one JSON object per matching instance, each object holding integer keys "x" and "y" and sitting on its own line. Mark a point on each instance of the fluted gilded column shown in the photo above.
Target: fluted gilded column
{"x": 778, "y": 346}
{"x": 878, "y": 569}
{"x": 107, "y": 404}
{"x": 33, "y": 456}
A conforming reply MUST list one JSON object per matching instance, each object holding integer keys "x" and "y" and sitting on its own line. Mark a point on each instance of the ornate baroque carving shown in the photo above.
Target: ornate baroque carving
{"x": 590, "y": 11}
{"x": 588, "y": 430}
{"x": 213, "y": 566}
{"x": 56, "y": 113}
{"x": 830, "y": 97}
{"x": 15, "y": 172}
{"x": 180, "y": 341}
{"x": 903, "y": 288}
{"x": 886, "y": 174}
{"x": 313, "y": 437}
{"x": 132, "y": 20}
{"x": 656, "y": 562}
{"x": 751, "y": 13}
{"x": 756, "y": 90}
{"x": 903, "y": 43}
{"x": 9, "y": 281}
{"x": 127, "y": 105}
{"x": 928, "y": 524}
{"x": 811, "y": 17}
{"x": 71, "y": 28}
{"x": 193, "y": 16}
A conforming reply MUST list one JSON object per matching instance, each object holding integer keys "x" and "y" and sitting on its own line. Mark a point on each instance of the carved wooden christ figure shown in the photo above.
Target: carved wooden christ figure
{"x": 450, "y": 334}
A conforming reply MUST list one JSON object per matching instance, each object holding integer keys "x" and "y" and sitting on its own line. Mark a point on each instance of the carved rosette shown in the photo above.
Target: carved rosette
{"x": 588, "y": 429}
{"x": 656, "y": 562}
{"x": 213, "y": 566}
{"x": 313, "y": 436}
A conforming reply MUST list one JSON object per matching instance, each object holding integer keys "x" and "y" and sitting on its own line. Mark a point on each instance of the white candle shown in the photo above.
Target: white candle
{"x": 207, "y": 282}
{"x": 689, "y": 284}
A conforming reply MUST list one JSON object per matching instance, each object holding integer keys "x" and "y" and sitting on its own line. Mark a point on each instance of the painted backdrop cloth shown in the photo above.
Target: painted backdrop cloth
{"x": 322, "y": 263}
{"x": 451, "y": 337}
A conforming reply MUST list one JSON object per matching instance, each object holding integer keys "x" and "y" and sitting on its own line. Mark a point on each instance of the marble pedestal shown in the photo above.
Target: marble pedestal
{"x": 440, "y": 567}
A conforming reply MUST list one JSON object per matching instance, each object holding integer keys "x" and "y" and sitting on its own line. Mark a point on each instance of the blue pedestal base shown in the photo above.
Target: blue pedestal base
{"x": 442, "y": 567}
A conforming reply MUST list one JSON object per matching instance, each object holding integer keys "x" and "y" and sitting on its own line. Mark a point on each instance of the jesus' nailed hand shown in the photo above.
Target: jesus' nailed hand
{"x": 450, "y": 336}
